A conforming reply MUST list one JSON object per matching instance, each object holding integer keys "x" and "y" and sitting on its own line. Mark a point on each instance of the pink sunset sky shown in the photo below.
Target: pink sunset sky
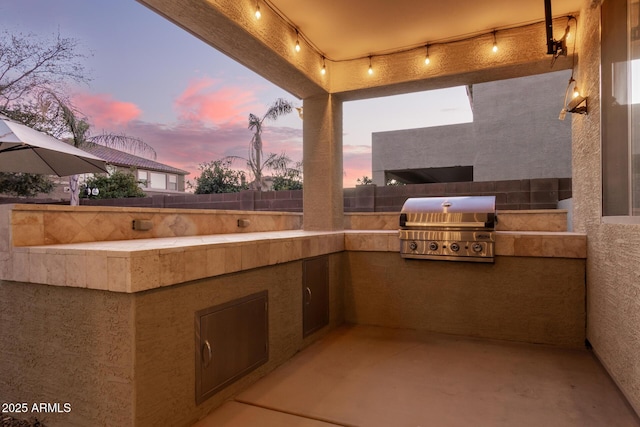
{"x": 152, "y": 80}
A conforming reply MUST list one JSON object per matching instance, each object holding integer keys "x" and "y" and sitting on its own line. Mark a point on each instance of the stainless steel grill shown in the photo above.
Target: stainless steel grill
{"x": 448, "y": 228}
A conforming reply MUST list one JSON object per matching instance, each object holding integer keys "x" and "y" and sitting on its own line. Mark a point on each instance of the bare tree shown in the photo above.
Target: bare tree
{"x": 29, "y": 65}
{"x": 34, "y": 73}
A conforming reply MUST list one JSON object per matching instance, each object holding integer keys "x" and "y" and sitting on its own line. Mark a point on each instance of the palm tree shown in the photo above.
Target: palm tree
{"x": 279, "y": 108}
{"x": 80, "y": 131}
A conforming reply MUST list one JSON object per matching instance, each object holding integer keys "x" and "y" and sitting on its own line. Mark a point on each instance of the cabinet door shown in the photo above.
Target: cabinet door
{"x": 232, "y": 340}
{"x": 315, "y": 294}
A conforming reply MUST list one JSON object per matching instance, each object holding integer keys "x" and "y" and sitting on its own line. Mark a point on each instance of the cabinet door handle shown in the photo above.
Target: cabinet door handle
{"x": 206, "y": 360}
{"x": 308, "y": 291}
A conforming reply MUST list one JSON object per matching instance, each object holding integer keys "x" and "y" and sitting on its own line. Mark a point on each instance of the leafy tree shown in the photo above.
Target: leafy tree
{"x": 29, "y": 65}
{"x": 115, "y": 186}
{"x": 286, "y": 177}
{"x": 217, "y": 177}
{"x": 365, "y": 180}
{"x": 24, "y": 184}
{"x": 255, "y": 162}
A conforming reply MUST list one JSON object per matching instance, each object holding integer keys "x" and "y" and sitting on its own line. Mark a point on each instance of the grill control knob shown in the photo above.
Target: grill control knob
{"x": 433, "y": 246}
{"x": 477, "y": 247}
{"x": 413, "y": 246}
{"x": 454, "y": 247}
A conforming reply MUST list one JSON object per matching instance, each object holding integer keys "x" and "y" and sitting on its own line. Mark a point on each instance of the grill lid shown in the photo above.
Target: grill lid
{"x": 462, "y": 212}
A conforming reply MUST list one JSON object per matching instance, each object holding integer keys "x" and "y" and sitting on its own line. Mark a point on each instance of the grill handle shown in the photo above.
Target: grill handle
{"x": 492, "y": 221}
{"x": 403, "y": 219}
{"x": 449, "y": 224}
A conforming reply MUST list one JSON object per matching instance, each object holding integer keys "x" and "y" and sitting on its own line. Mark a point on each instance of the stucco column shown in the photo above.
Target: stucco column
{"x": 322, "y": 157}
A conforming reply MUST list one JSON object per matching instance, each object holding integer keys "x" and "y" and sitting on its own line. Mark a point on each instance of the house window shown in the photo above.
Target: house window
{"x": 620, "y": 68}
{"x": 142, "y": 176}
{"x": 158, "y": 180}
{"x": 172, "y": 182}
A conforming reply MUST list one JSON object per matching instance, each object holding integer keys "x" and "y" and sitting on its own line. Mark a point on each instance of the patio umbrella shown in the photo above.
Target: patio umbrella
{"x": 23, "y": 149}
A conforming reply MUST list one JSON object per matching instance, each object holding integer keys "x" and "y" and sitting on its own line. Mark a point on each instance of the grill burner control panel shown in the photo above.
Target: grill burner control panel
{"x": 443, "y": 249}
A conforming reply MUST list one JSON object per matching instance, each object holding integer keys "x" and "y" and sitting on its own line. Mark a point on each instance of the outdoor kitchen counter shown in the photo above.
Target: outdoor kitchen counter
{"x": 141, "y": 264}
{"x": 508, "y": 243}
{"x": 138, "y": 265}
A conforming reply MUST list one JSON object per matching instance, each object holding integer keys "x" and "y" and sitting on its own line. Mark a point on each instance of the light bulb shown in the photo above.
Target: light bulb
{"x": 427, "y": 60}
{"x": 576, "y": 92}
{"x": 495, "y": 47}
{"x": 258, "y": 14}
{"x": 370, "y": 70}
{"x": 297, "y": 46}
{"x": 323, "y": 71}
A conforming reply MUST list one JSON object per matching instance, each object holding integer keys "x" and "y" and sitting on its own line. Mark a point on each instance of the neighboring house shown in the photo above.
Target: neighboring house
{"x": 515, "y": 134}
{"x": 157, "y": 178}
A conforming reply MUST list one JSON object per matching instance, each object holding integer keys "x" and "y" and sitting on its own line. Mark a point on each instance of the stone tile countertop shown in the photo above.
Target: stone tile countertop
{"x": 142, "y": 264}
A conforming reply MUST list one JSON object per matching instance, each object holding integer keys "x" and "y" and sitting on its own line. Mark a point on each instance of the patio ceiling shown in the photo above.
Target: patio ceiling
{"x": 346, "y": 36}
{"x": 350, "y": 29}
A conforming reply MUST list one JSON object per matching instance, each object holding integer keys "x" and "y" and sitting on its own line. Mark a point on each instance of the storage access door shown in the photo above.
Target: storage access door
{"x": 315, "y": 294}
{"x": 232, "y": 339}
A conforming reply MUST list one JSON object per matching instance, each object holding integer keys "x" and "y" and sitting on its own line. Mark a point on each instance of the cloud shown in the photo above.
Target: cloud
{"x": 205, "y": 100}
{"x": 103, "y": 111}
{"x": 186, "y": 145}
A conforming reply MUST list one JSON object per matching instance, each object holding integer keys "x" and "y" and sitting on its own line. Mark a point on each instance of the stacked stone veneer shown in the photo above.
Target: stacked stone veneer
{"x": 510, "y": 195}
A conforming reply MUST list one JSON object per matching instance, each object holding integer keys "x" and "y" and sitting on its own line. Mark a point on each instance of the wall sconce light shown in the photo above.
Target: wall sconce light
{"x": 578, "y": 105}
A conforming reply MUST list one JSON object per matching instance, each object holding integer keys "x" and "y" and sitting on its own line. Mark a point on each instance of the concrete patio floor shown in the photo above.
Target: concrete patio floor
{"x": 369, "y": 376}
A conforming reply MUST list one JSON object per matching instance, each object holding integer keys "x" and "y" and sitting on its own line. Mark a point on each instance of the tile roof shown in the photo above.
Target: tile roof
{"x": 120, "y": 158}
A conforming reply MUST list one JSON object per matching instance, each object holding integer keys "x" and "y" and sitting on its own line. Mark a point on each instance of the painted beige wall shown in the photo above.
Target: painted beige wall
{"x": 539, "y": 300}
{"x": 613, "y": 265}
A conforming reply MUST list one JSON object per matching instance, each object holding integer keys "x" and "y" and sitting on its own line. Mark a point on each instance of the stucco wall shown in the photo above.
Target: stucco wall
{"x": 67, "y": 345}
{"x": 128, "y": 359}
{"x": 165, "y": 344}
{"x": 515, "y": 134}
{"x": 613, "y": 265}
{"x": 538, "y": 300}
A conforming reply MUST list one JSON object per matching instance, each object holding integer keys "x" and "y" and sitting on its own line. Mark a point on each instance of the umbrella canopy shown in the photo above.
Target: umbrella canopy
{"x": 23, "y": 149}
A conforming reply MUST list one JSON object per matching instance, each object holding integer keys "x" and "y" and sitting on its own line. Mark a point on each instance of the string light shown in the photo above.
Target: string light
{"x": 427, "y": 59}
{"x": 258, "y": 14}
